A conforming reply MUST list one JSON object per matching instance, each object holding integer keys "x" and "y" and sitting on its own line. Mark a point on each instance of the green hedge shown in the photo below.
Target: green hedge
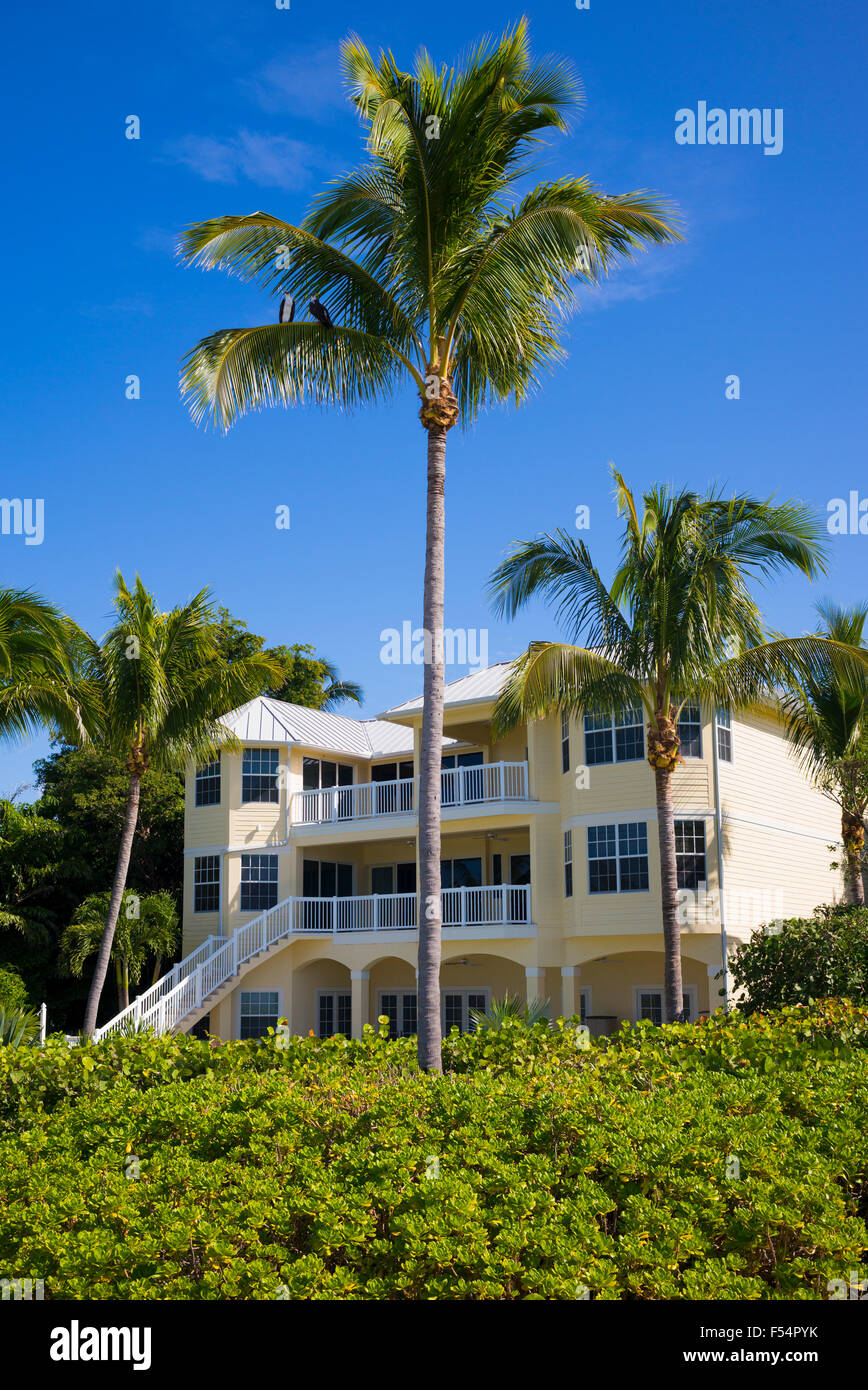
{"x": 723, "y": 1160}
{"x": 820, "y": 957}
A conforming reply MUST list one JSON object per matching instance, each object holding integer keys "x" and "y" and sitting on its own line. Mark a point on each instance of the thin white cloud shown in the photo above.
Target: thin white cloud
{"x": 274, "y": 161}
{"x": 119, "y": 308}
{"x": 307, "y": 83}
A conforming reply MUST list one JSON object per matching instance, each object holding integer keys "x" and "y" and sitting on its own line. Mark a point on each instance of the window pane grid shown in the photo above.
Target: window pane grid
{"x": 690, "y": 853}
{"x": 206, "y": 883}
{"x": 618, "y": 737}
{"x": 258, "y": 1012}
{"x": 618, "y": 858}
{"x": 208, "y": 784}
{"x": 259, "y": 775}
{"x": 258, "y": 882}
{"x": 690, "y": 731}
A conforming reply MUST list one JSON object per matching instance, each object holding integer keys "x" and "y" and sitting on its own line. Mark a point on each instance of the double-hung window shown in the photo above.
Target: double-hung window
{"x": 259, "y": 775}
{"x": 690, "y": 853}
{"x": 208, "y": 784}
{"x": 206, "y": 883}
{"x": 618, "y": 858}
{"x": 648, "y": 1004}
{"x": 258, "y": 882}
{"x": 565, "y": 743}
{"x": 614, "y": 738}
{"x": 690, "y": 731}
{"x": 568, "y": 863}
{"x": 723, "y": 727}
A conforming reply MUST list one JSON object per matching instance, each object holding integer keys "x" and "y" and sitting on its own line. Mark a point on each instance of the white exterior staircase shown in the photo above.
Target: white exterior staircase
{"x": 198, "y": 982}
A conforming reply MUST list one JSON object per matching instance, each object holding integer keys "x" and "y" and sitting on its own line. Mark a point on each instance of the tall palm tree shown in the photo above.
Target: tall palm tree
{"x": 152, "y": 691}
{"x": 677, "y": 624}
{"x": 434, "y": 278}
{"x": 37, "y": 654}
{"x": 827, "y": 723}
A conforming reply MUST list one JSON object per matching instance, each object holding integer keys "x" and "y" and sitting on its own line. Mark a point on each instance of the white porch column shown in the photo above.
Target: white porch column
{"x": 360, "y": 1000}
{"x": 570, "y": 1002}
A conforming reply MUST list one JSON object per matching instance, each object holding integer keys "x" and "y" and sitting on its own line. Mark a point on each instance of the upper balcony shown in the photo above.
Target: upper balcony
{"x": 459, "y": 786}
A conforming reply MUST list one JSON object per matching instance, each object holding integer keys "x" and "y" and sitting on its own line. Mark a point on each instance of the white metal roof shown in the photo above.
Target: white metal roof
{"x": 482, "y": 685}
{"x": 264, "y": 720}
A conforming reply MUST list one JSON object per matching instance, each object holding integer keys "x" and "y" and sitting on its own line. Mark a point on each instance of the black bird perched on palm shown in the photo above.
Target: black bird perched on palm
{"x": 287, "y": 309}
{"x": 320, "y": 313}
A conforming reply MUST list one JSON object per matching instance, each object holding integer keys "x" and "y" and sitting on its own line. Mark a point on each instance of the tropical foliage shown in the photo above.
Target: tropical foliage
{"x": 421, "y": 270}
{"x": 827, "y": 723}
{"x": 509, "y": 1010}
{"x": 677, "y": 624}
{"x": 723, "y": 1160}
{"x": 147, "y": 930}
{"x": 802, "y": 959}
{"x": 153, "y": 692}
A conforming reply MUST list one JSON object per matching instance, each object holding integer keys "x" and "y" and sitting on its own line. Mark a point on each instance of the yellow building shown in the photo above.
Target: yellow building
{"x": 301, "y": 865}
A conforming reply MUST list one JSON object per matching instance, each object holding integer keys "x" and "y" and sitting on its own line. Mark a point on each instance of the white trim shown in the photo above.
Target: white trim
{"x": 622, "y": 817}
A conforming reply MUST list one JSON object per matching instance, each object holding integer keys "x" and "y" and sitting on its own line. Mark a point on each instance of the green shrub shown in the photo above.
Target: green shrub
{"x": 819, "y": 957}
{"x": 13, "y": 990}
{"x": 724, "y": 1160}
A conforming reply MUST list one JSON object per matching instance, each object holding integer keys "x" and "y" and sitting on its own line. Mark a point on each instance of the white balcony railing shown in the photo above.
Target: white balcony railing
{"x": 459, "y": 786}
{"x": 185, "y": 990}
{"x": 361, "y": 802}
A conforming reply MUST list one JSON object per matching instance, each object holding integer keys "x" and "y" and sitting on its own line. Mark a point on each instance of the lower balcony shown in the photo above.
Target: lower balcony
{"x": 498, "y": 905}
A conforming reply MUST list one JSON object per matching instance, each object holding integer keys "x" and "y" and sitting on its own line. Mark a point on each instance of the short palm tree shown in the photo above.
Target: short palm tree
{"x": 37, "y": 652}
{"x": 152, "y": 692}
{"x": 827, "y": 723}
{"x": 147, "y": 928}
{"x": 677, "y": 624}
{"x": 432, "y": 277}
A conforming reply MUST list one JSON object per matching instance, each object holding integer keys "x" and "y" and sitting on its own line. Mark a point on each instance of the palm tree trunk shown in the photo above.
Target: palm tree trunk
{"x": 853, "y": 835}
{"x": 120, "y": 986}
{"x": 673, "y": 987}
{"x": 430, "y": 761}
{"x": 120, "y": 881}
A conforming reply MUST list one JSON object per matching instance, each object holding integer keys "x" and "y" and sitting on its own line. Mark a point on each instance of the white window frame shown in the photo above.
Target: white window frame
{"x": 694, "y": 820}
{"x": 565, "y": 742}
{"x": 693, "y": 704}
{"x": 730, "y": 761}
{"x": 333, "y": 994}
{"x": 208, "y": 911}
{"x": 613, "y": 727}
{"x": 258, "y": 854}
{"x": 617, "y": 826}
{"x": 568, "y": 861}
{"x": 690, "y": 990}
{"x": 463, "y": 990}
{"x": 261, "y": 800}
{"x": 242, "y": 992}
{"x": 206, "y": 775}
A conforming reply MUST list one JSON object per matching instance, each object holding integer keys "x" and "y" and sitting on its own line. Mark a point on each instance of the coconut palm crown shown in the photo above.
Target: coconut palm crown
{"x": 677, "y": 624}
{"x": 432, "y": 275}
{"x": 827, "y": 723}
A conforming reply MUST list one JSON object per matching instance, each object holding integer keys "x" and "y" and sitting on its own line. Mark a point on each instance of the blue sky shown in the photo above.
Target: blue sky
{"x": 241, "y": 108}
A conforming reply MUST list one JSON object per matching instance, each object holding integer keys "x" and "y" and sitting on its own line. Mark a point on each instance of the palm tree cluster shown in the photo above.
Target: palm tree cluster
{"x": 152, "y": 691}
{"x": 677, "y": 624}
